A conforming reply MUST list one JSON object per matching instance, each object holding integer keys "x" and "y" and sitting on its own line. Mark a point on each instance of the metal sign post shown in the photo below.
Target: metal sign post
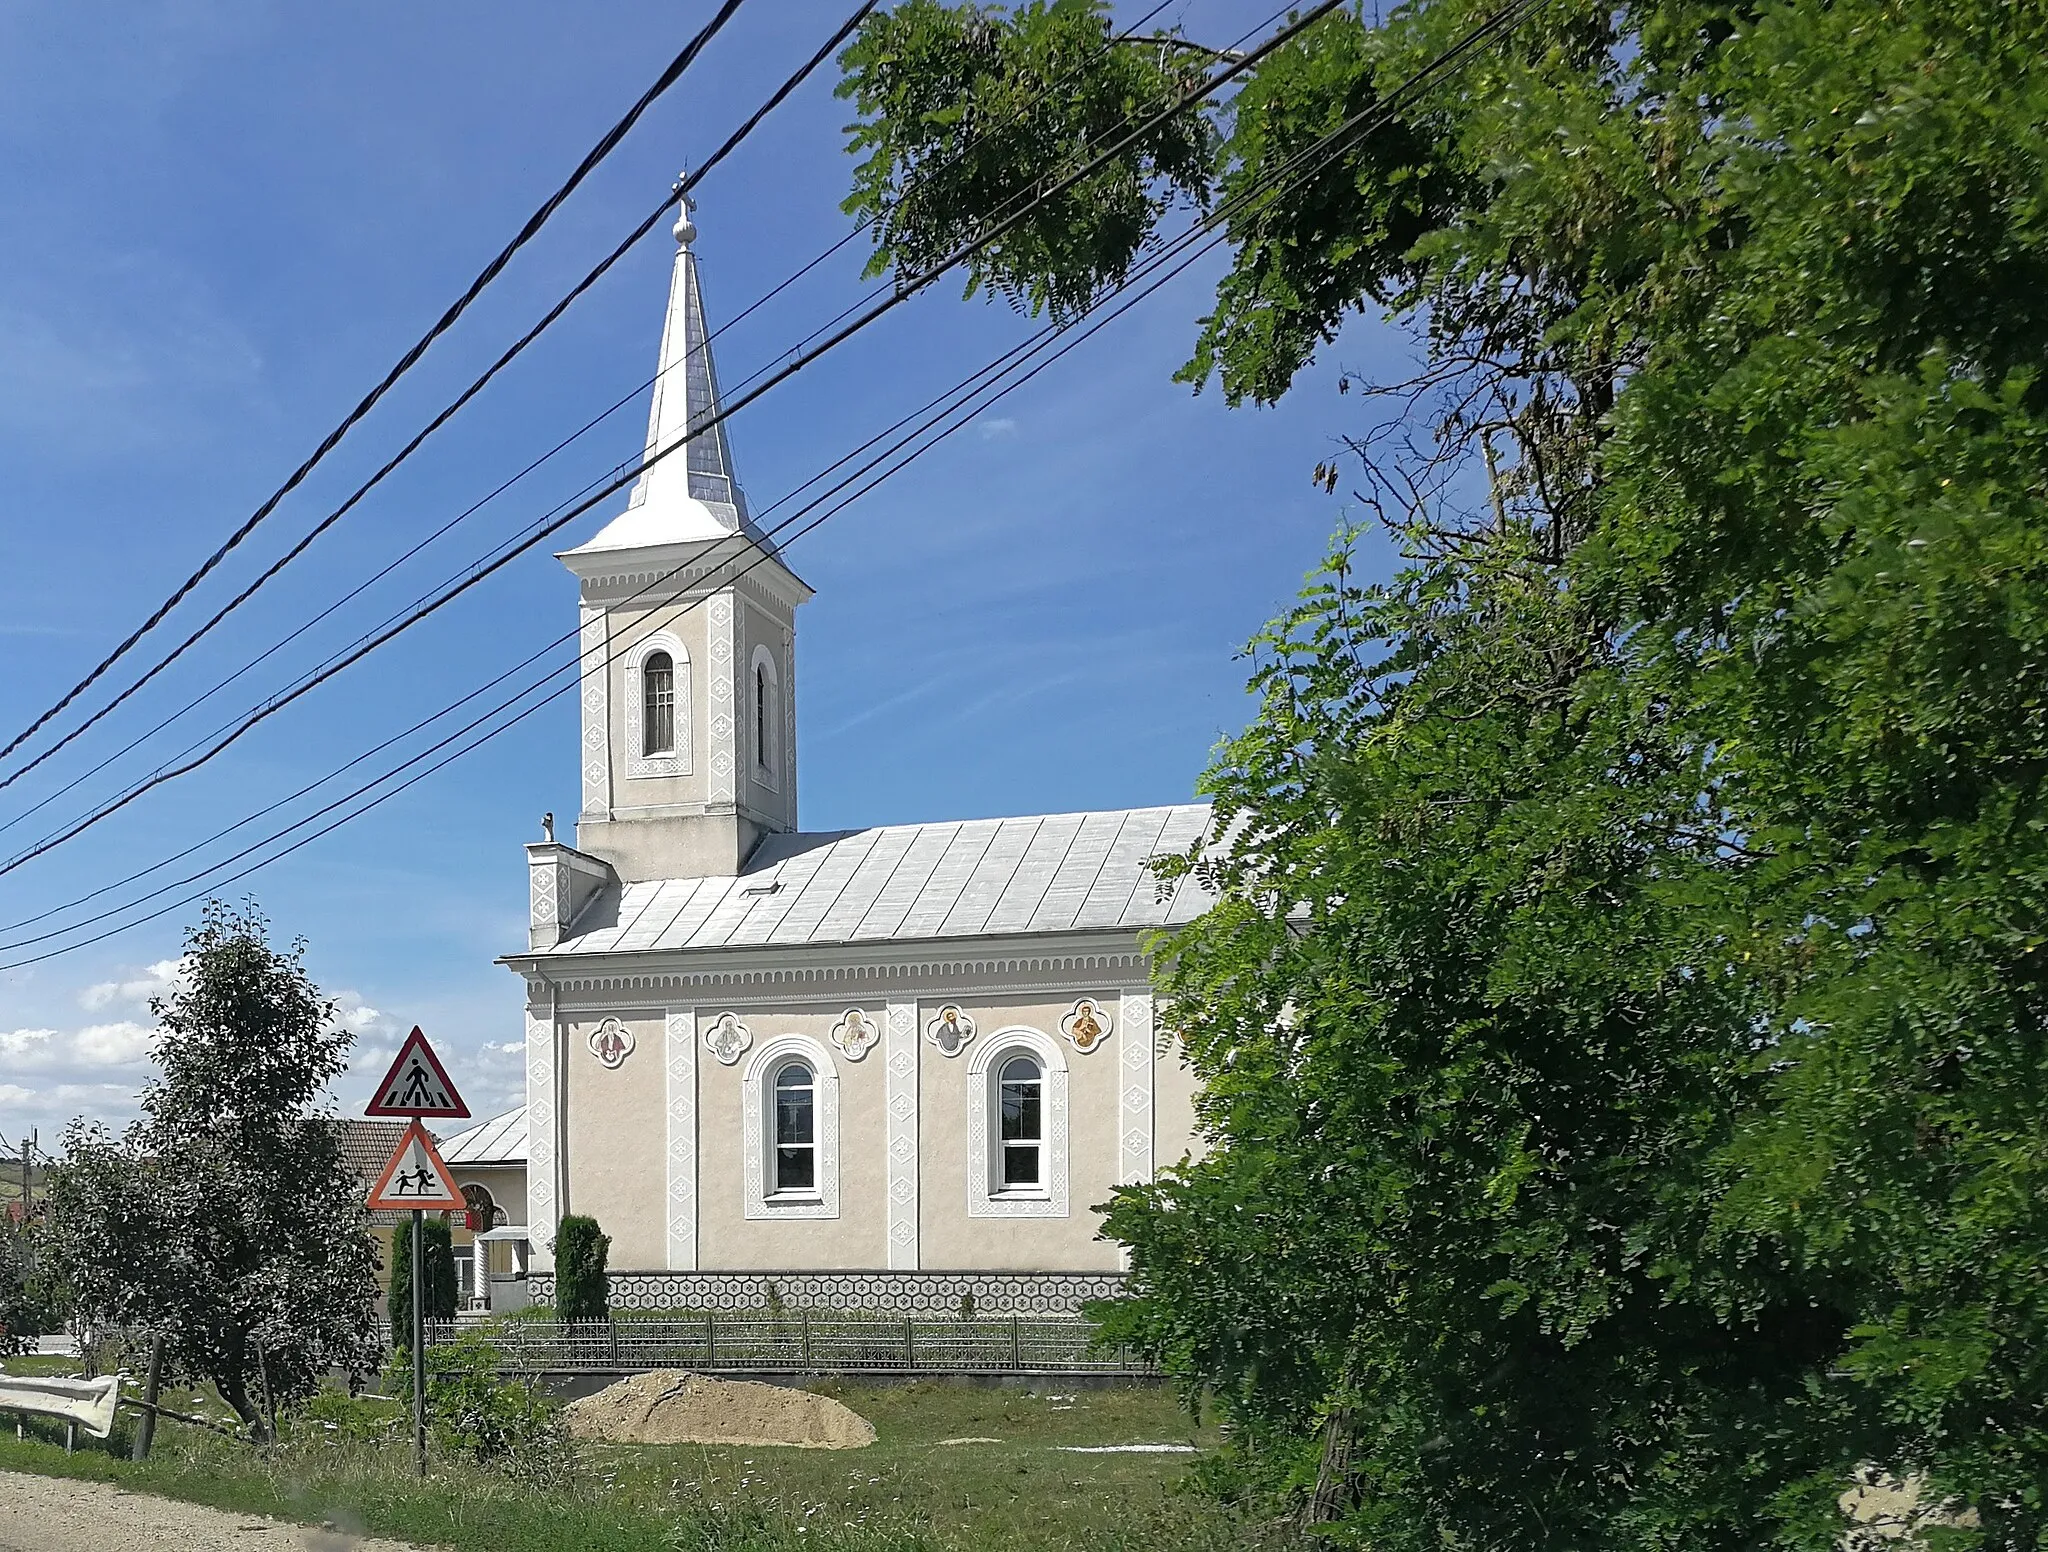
{"x": 419, "y": 1342}
{"x": 415, "y": 1178}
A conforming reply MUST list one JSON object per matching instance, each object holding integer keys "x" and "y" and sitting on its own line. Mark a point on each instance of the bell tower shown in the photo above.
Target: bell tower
{"x": 688, "y": 749}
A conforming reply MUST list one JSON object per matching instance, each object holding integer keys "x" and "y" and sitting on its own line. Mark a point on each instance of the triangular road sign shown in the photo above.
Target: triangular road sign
{"x": 416, "y": 1085}
{"x": 416, "y": 1178}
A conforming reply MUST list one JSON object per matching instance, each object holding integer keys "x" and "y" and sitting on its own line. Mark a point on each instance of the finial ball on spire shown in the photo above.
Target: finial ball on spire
{"x": 685, "y": 229}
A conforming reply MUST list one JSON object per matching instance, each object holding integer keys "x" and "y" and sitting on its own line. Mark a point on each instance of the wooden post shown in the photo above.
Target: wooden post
{"x": 70, "y": 1436}
{"x": 269, "y": 1400}
{"x": 419, "y": 1343}
{"x": 145, "y": 1427}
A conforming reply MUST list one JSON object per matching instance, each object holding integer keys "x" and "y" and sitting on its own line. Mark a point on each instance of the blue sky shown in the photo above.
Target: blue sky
{"x": 228, "y": 217}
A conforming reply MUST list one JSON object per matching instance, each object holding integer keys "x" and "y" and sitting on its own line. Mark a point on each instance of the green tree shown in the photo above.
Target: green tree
{"x": 582, "y": 1291}
{"x": 225, "y": 1217}
{"x": 438, "y": 1293}
{"x": 1622, "y": 1030}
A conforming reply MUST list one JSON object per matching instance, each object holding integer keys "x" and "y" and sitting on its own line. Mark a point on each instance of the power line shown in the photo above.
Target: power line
{"x": 1330, "y": 146}
{"x": 453, "y": 408}
{"x": 903, "y": 292}
{"x": 639, "y": 231}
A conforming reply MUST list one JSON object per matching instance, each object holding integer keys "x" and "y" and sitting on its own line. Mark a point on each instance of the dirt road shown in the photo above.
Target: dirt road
{"x": 49, "y": 1514}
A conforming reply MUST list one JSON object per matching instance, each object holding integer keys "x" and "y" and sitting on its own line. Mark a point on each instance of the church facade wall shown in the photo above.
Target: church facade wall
{"x": 667, "y": 1078}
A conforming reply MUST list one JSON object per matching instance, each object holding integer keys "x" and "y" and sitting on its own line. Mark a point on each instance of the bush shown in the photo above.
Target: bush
{"x": 580, "y": 1251}
{"x": 496, "y": 1422}
{"x": 439, "y": 1248}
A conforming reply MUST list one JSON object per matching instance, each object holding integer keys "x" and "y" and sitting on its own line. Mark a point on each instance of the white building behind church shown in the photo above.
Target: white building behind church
{"x": 876, "y": 1068}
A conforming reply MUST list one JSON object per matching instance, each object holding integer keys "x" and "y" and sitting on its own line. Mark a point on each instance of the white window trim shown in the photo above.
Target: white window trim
{"x": 767, "y": 763}
{"x": 983, "y": 1070}
{"x": 639, "y": 765}
{"x": 761, "y": 1203}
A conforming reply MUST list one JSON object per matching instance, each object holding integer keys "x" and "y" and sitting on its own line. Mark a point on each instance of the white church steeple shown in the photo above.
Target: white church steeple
{"x": 688, "y": 747}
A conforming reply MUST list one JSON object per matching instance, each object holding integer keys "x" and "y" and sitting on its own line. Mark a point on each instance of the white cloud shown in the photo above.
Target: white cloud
{"x": 15, "y": 1094}
{"x": 159, "y": 980}
{"x": 124, "y": 1044}
{"x": 994, "y": 426}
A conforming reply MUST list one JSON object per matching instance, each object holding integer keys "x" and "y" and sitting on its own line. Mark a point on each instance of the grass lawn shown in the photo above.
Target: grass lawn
{"x": 910, "y": 1489}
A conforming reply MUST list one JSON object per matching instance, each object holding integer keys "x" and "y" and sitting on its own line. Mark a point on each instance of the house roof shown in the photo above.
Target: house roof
{"x": 500, "y": 1140}
{"x": 366, "y": 1147}
{"x": 960, "y": 879}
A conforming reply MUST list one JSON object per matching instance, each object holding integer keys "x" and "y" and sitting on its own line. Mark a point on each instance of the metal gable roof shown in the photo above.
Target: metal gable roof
{"x": 500, "y": 1140}
{"x": 901, "y": 883}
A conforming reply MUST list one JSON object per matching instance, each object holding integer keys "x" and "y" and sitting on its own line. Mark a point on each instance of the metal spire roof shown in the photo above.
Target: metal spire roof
{"x": 693, "y": 494}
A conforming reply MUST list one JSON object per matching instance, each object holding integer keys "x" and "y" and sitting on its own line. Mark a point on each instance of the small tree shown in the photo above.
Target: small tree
{"x": 225, "y": 1218}
{"x": 439, "y": 1292}
{"x": 580, "y": 1251}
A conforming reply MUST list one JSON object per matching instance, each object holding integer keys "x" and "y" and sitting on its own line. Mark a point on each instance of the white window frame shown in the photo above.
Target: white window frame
{"x": 985, "y": 1198}
{"x": 771, "y": 1122}
{"x": 640, "y": 765}
{"x": 762, "y": 1201}
{"x": 1000, "y": 1146}
{"x": 767, "y": 762}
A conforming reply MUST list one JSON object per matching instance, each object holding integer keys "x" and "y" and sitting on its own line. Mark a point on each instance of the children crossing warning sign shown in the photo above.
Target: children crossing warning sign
{"x": 417, "y": 1085}
{"x": 416, "y": 1179}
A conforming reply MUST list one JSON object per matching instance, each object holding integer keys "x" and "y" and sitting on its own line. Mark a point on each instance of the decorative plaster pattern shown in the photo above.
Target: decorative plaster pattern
{"x": 789, "y": 728}
{"x": 902, "y": 1095}
{"x": 680, "y": 1030}
{"x": 855, "y": 1034}
{"x": 638, "y": 763}
{"x": 950, "y": 1029}
{"x": 718, "y": 628}
{"x": 1086, "y": 1025}
{"x": 755, "y": 1143}
{"x": 870, "y": 1292}
{"x": 727, "y": 1038}
{"x": 1134, "y": 1107}
{"x": 540, "y": 1134}
{"x": 982, "y": 1202}
{"x": 543, "y": 890}
{"x": 597, "y": 757}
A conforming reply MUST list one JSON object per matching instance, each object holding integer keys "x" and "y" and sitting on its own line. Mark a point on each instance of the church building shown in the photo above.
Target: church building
{"x": 877, "y": 1069}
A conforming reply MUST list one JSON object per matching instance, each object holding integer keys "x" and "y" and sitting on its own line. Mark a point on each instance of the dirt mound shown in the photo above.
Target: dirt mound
{"x": 668, "y": 1407}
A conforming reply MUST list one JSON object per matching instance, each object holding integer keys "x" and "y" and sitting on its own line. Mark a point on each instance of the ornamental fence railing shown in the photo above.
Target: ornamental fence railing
{"x": 800, "y": 1342}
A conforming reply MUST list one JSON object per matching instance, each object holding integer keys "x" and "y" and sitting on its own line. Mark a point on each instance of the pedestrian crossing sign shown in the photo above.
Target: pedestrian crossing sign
{"x": 417, "y": 1085}
{"x": 416, "y": 1179}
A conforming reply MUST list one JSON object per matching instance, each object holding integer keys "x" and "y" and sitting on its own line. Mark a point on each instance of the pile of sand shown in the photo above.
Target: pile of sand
{"x": 668, "y": 1407}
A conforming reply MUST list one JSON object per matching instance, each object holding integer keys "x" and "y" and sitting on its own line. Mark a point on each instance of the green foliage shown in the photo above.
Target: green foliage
{"x": 225, "y": 1217}
{"x": 29, "y": 1303}
{"x": 1623, "y": 1033}
{"x": 438, "y": 1294}
{"x": 964, "y": 107}
{"x": 582, "y": 1292}
{"x": 474, "y": 1414}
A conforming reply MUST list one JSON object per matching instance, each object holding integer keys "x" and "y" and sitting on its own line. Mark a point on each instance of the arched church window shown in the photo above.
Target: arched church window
{"x": 1020, "y": 1110}
{"x": 658, "y": 704}
{"x": 796, "y": 1130}
{"x": 762, "y": 753}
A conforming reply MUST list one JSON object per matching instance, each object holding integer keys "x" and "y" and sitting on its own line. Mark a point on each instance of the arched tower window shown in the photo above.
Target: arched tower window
{"x": 762, "y": 752}
{"x": 764, "y": 684}
{"x": 658, "y": 704}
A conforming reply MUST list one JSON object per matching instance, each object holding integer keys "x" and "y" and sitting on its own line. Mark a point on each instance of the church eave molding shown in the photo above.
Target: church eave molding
{"x": 1082, "y": 959}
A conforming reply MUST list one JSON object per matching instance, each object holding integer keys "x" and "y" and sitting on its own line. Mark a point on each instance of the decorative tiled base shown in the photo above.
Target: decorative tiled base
{"x": 882, "y": 1293}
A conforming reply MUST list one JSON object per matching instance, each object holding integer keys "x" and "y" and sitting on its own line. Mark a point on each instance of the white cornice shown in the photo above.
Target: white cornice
{"x": 1014, "y": 962}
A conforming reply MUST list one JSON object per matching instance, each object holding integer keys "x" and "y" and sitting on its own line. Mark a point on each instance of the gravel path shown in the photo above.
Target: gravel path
{"x": 51, "y": 1514}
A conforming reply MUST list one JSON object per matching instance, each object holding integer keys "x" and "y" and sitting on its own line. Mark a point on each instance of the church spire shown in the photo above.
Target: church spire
{"x": 692, "y": 494}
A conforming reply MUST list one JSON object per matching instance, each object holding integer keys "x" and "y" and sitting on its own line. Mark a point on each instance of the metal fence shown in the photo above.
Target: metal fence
{"x": 802, "y": 1342}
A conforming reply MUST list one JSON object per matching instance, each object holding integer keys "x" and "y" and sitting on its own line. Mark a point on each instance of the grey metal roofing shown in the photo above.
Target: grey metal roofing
{"x": 960, "y": 879}
{"x": 500, "y": 1140}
